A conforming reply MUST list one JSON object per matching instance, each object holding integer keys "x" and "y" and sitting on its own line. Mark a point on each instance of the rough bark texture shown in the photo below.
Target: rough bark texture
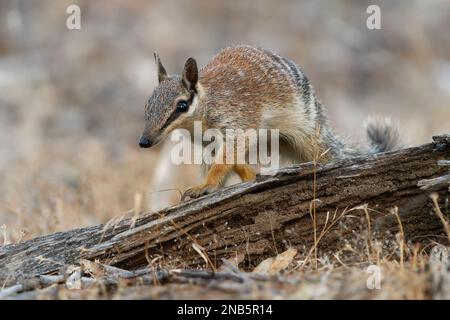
{"x": 265, "y": 216}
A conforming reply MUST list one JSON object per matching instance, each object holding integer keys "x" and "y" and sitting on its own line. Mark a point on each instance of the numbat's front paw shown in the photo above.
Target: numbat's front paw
{"x": 196, "y": 192}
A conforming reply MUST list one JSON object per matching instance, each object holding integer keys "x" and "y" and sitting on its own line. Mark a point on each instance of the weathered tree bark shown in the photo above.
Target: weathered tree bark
{"x": 265, "y": 216}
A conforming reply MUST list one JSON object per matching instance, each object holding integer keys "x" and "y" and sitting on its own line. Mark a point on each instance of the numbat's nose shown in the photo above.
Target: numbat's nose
{"x": 145, "y": 143}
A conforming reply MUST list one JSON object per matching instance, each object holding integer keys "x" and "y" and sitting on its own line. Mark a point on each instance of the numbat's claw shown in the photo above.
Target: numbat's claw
{"x": 196, "y": 192}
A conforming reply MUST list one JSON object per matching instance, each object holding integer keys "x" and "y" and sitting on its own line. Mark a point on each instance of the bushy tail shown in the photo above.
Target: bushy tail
{"x": 383, "y": 135}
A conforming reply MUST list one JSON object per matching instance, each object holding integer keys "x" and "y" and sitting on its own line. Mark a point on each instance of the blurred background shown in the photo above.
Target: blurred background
{"x": 72, "y": 101}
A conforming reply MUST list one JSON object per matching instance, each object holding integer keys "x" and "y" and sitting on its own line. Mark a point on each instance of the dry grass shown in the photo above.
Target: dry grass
{"x": 60, "y": 190}
{"x": 407, "y": 271}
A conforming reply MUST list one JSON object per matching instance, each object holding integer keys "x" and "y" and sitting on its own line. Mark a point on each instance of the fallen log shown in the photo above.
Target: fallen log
{"x": 323, "y": 206}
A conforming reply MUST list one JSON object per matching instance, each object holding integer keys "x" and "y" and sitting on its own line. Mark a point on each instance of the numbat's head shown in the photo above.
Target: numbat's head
{"x": 171, "y": 104}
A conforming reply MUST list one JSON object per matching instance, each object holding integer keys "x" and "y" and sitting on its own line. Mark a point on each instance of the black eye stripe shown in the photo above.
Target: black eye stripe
{"x": 175, "y": 113}
{"x": 171, "y": 119}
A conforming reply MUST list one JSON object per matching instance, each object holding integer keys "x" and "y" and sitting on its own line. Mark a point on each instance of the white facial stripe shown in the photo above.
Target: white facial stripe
{"x": 195, "y": 101}
{"x": 193, "y": 106}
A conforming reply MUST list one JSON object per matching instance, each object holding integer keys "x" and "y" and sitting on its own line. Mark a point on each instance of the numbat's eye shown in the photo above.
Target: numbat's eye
{"x": 182, "y": 106}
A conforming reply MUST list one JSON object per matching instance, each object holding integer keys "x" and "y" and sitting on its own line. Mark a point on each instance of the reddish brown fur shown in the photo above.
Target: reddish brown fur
{"x": 244, "y": 80}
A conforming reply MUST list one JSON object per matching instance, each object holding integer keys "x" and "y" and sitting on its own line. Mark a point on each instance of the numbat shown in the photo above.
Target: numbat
{"x": 244, "y": 87}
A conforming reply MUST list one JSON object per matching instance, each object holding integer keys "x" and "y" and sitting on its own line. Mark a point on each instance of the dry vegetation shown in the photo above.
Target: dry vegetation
{"x": 71, "y": 112}
{"x": 408, "y": 271}
{"x": 76, "y": 191}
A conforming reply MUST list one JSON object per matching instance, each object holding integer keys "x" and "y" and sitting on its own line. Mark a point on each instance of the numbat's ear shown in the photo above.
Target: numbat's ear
{"x": 162, "y": 74}
{"x": 190, "y": 74}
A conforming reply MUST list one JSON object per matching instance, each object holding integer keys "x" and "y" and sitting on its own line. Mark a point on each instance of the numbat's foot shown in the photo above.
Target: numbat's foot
{"x": 198, "y": 191}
